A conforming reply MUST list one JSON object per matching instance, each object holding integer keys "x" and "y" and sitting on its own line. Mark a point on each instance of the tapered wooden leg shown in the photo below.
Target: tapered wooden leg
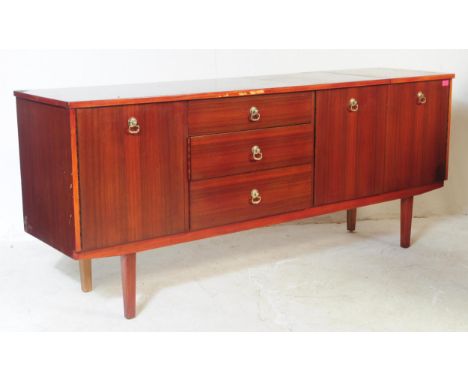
{"x": 86, "y": 275}
{"x": 405, "y": 221}
{"x": 351, "y": 219}
{"x": 128, "y": 264}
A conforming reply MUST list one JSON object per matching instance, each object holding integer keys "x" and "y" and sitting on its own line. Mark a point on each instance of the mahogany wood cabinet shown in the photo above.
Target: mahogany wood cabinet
{"x": 115, "y": 170}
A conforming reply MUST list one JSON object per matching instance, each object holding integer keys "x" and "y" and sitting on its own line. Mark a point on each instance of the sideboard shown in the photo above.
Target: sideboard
{"x": 115, "y": 170}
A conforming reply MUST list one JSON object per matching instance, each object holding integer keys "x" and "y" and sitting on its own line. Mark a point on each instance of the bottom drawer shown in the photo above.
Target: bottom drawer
{"x": 232, "y": 199}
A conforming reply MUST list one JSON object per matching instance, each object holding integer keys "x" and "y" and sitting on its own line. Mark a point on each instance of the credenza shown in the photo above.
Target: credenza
{"x": 115, "y": 170}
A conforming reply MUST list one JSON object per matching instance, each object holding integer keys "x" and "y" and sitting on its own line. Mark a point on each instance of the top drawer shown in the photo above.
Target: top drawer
{"x": 250, "y": 112}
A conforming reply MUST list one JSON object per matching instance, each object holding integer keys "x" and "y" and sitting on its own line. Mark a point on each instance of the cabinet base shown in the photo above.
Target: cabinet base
{"x": 128, "y": 261}
{"x": 144, "y": 245}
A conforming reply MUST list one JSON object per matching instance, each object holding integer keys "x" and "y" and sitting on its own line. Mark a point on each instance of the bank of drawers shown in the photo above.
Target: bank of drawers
{"x": 250, "y": 157}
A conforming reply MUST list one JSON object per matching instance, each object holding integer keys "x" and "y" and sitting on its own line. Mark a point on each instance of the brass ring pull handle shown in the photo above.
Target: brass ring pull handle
{"x": 257, "y": 153}
{"x": 254, "y": 114}
{"x": 353, "y": 105}
{"x": 421, "y": 98}
{"x": 133, "y": 126}
{"x": 255, "y": 197}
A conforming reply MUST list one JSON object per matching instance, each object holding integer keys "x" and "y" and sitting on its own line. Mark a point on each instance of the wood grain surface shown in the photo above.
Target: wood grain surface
{"x": 219, "y": 155}
{"x": 46, "y": 174}
{"x": 232, "y": 114}
{"x": 81, "y": 97}
{"x": 226, "y": 200}
{"x": 133, "y": 187}
{"x": 349, "y": 158}
{"x": 416, "y": 137}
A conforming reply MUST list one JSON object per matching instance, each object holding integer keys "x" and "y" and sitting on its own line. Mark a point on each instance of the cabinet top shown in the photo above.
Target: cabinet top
{"x": 80, "y": 97}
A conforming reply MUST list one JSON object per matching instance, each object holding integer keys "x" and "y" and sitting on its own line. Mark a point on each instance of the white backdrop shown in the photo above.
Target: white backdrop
{"x": 49, "y": 69}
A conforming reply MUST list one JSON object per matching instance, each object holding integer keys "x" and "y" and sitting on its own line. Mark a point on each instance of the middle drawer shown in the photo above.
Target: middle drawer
{"x": 235, "y": 153}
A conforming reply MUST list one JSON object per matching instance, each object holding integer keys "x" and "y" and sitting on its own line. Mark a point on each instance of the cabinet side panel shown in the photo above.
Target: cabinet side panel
{"x": 46, "y": 174}
{"x": 449, "y": 124}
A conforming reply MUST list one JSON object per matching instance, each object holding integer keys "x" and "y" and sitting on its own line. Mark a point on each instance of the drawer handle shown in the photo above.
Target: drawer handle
{"x": 133, "y": 126}
{"x": 255, "y": 197}
{"x": 353, "y": 105}
{"x": 254, "y": 114}
{"x": 421, "y": 98}
{"x": 257, "y": 153}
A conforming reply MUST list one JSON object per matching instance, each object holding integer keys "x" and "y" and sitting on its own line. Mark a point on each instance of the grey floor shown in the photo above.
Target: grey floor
{"x": 290, "y": 277}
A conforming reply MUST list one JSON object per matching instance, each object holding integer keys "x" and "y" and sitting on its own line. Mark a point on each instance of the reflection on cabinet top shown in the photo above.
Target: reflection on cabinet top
{"x": 81, "y": 97}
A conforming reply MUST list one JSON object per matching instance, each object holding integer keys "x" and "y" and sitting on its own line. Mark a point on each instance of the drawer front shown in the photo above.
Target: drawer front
{"x": 234, "y": 114}
{"x": 235, "y": 153}
{"x": 232, "y": 199}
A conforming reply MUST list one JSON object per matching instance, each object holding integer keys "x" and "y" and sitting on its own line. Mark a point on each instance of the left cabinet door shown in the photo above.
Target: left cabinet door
{"x": 350, "y": 143}
{"x": 133, "y": 180}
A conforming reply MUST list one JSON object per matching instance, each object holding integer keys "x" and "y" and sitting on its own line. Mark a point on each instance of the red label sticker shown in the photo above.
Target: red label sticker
{"x": 445, "y": 83}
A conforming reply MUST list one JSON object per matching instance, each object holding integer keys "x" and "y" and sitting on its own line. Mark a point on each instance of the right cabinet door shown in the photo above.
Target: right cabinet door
{"x": 416, "y": 134}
